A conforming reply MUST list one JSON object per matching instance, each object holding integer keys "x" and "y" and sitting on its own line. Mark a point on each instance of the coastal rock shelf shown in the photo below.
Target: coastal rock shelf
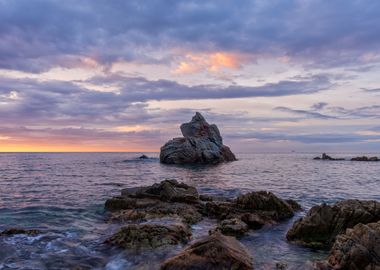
{"x": 321, "y": 225}
{"x": 201, "y": 143}
{"x": 180, "y": 205}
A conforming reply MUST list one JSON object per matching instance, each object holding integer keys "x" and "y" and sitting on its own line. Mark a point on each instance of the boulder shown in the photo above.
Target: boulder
{"x": 358, "y": 248}
{"x": 149, "y": 235}
{"x": 143, "y": 157}
{"x": 201, "y": 143}
{"x": 214, "y": 252}
{"x": 233, "y": 227}
{"x": 321, "y": 225}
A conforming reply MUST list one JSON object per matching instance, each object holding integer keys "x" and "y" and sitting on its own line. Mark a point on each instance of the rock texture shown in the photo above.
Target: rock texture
{"x": 201, "y": 143}
{"x": 358, "y": 248}
{"x": 215, "y": 252}
{"x": 149, "y": 235}
{"x": 321, "y": 225}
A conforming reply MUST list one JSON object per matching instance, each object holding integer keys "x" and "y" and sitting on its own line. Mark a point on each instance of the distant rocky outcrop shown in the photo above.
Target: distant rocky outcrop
{"x": 365, "y": 158}
{"x": 201, "y": 143}
{"x": 327, "y": 157}
{"x": 213, "y": 252}
{"x": 321, "y": 225}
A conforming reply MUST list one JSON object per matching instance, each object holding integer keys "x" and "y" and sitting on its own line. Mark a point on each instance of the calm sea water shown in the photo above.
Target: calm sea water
{"x": 63, "y": 194}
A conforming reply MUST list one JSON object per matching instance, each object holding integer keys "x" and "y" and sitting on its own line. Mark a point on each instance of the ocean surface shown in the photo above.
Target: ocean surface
{"x": 63, "y": 195}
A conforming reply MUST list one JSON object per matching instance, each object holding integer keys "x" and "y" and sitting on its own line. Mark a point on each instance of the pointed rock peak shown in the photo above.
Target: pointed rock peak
{"x": 198, "y": 117}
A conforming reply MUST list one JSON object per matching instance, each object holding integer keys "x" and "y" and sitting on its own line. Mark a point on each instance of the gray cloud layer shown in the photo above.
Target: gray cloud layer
{"x": 37, "y": 35}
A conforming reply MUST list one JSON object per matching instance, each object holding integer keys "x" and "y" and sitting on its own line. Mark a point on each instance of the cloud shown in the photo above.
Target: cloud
{"x": 38, "y": 35}
{"x": 305, "y": 113}
{"x": 371, "y": 90}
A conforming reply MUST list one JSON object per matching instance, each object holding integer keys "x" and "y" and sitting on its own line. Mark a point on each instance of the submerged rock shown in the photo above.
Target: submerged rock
{"x": 364, "y": 158}
{"x": 321, "y": 225}
{"x": 150, "y": 235}
{"x": 14, "y": 231}
{"x": 214, "y": 252}
{"x": 202, "y": 143}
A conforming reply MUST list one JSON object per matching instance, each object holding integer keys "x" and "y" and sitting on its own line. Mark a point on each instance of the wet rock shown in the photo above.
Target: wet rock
{"x": 167, "y": 198}
{"x": 358, "y": 248}
{"x": 232, "y": 227}
{"x": 167, "y": 190}
{"x": 266, "y": 202}
{"x": 281, "y": 266}
{"x": 214, "y": 252}
{"x": 143, "y": 157}
{"x": 321, "y": 225}
{"x": 327, "y": 157}
{"x": 150, "y": 235}
{"x": 14, "y": 231}
{"x": 202, "y": 143}
{"x": 364, "y": 158}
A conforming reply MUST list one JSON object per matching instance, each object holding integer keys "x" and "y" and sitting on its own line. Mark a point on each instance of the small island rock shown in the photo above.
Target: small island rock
{"x": 202, "y": 143}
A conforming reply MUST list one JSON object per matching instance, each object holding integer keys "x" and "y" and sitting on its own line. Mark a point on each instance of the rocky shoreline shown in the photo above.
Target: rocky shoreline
{"x": 360, "y": 158}
{"x": 349, "y": 228}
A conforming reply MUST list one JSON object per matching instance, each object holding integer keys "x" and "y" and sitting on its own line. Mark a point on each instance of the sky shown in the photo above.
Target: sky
{"x": 276, "y": 76}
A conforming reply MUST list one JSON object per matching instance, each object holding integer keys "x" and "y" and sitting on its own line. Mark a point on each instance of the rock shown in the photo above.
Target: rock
{"x": 265, "y": 201}
{"x": 172, "y": 199}
{"x": 215, "y": 252}
{"x": 358, "y": 248}
{"x": 143, "y": 157}
{"x": 167, "y": 190}
{"x": 364, "y": 158}
{"x": 14, "y": 231}
{"x": 149, "y": 236}
{"x": 321, "y": 225}
{"x": 233, "y": 227}
{"x": 167, "y": 198}
{"x": 327, "y": 157}
{"x": 202, "y": 143}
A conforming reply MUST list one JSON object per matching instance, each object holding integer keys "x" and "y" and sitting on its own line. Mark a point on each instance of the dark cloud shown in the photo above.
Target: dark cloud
{"x": 37, "y": 35}
{"x": 319, "y": 105}
{"x": 371, "y": 90}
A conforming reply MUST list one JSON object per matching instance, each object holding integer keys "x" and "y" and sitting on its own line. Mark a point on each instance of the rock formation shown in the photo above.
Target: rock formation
{"x": 358, "y": 248}
{"x": 364, "y": 158}
{"x": 149, "y": 235}
{"x": 321, "y": 225}
{"x": 201, "y": 143}
{"x": 212, "y": 253}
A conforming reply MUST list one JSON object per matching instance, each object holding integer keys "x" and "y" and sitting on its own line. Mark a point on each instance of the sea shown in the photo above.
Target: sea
{"x": 63, "y": 195}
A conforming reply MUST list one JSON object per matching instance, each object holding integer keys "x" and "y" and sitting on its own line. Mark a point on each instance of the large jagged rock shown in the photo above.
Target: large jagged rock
{"x": 149, "y": 235}
{"x": 321, "y": 225}
{"x": 357, "y": 249}
{"x": 215, "y": 252}
{"x": 202, "y": 143}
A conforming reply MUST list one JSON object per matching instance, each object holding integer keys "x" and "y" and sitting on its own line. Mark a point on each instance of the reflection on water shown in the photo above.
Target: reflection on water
{"x": 63, "y": 195}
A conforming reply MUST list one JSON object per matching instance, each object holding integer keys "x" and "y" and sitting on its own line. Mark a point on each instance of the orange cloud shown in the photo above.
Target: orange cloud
{"x": 212, "y": 62}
